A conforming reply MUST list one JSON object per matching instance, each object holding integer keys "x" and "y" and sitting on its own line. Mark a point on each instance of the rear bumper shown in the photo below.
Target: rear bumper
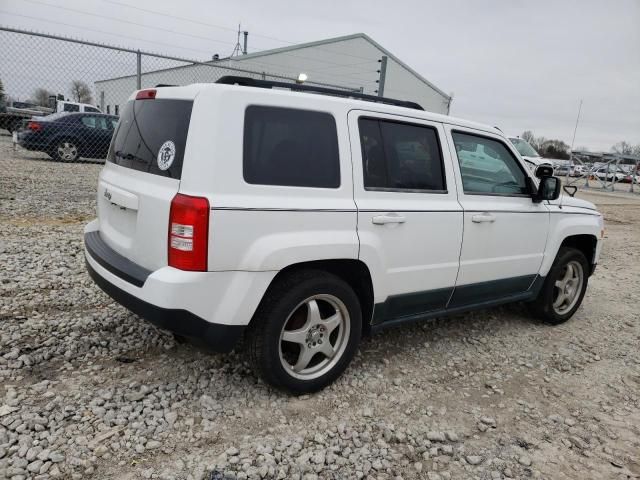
{"x": 210, "y": 306}
{"x": 221, "y": 338}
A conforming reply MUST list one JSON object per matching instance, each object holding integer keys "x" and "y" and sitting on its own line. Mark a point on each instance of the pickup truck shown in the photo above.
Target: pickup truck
{"x": 13, "y": 115}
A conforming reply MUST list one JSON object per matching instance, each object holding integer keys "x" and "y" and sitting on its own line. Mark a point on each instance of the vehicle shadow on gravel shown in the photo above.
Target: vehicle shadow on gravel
{"x": 47, "y": 159}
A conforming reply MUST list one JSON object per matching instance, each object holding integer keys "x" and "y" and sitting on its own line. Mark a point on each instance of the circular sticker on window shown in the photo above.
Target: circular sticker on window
{"x": 166, "y": 154}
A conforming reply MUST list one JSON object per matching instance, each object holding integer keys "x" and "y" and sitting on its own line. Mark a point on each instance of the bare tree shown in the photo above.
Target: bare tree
{"x": 528, "y": 136}
{"x": 623, "y": 148}
{"x": 80, "y": 92}
{"x": 1, "y": 91}
{"x": 41, "y": 97}
{"x": 549, "y": 148}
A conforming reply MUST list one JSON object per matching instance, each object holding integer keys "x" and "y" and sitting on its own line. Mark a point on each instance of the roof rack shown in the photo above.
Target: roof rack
{"x": 252, "y": 82}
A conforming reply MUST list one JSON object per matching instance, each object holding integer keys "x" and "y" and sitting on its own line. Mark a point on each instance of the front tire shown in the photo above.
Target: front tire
{"x": 564, "y": 287}
{"x": 305, "y": 331}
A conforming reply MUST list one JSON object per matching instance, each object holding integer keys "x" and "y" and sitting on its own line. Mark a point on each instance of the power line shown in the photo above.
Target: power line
{"x": 199, "y": 37}
{"x": 48, "y": 21}
{"x": 155, "y": 12}
{"x": 102, "y": 17}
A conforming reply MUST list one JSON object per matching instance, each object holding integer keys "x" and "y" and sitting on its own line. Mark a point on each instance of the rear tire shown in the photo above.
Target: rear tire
{"x": 305, "y": 331}
{"x": 564, "y": 288}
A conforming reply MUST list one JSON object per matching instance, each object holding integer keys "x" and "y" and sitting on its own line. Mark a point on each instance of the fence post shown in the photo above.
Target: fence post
{"x": 138, "y": 70}
{"x": 383, "y": 75}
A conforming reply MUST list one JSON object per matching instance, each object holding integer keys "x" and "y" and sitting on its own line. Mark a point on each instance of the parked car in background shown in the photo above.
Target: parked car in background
{"x": 578, "y": 170}
{"x": 528, "y": 153}
{"x": 609, "y": 174}
{"x": 69, "y": 136}
{"x": 562, "y": 170}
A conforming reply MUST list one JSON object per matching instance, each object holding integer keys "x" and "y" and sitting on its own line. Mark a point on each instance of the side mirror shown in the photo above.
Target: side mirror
{"x": 549, "y": 189}
{"x": 544, "y": 171}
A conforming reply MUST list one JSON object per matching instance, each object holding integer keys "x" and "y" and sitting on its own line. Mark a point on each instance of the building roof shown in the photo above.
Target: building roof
{"x": 344, "y": 38}
{"x": 299, "y": 46}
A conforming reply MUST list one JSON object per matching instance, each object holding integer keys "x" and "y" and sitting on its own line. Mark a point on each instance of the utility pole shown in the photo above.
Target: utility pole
{"x": 383, "y": 75}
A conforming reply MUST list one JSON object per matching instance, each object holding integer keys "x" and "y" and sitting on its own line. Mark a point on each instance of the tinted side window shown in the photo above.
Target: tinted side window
{"x": 285, "y": 146}
{"x": 400, "y": 156}
{"x": 488, "y": 167}
{"x": 70, "y": 107}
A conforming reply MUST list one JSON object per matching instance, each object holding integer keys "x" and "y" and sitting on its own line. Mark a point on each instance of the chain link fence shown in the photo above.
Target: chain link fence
{"x": 605, "y": 172}
{"x": 46, "y": 77}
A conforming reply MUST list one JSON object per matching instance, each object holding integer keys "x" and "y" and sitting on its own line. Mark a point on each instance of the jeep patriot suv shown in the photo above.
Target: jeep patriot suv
{"x": 301, "y": 219}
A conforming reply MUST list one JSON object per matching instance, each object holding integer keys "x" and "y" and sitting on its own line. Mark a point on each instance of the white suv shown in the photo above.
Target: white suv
{"x": 302, "y": 220}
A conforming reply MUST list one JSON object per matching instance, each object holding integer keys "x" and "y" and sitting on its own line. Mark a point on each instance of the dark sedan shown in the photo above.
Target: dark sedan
{"x": 69, "y": 136}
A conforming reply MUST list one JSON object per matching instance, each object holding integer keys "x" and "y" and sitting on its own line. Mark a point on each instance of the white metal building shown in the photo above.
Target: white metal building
{"x": 349, "y": 61}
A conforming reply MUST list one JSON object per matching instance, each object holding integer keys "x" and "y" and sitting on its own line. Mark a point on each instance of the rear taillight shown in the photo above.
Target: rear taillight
{"x": 189, "y": 233}
{"x": 146, "y": 94}
{"x": 34, "y": 126}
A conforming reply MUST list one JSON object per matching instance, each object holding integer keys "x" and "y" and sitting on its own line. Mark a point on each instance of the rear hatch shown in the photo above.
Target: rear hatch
{"x": 141, "y": 176}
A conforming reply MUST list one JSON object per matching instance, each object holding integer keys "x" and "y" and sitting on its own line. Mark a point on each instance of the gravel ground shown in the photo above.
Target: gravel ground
{"x": 88, "y": 390}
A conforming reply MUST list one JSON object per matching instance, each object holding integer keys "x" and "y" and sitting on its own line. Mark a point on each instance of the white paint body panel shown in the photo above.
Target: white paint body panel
{"x": 513, "y": 244}
{"x": 420, "y": 254}
{"x": 258, "y": 230}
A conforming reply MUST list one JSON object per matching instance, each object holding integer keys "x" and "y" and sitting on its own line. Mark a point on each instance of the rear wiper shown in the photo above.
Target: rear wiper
{"x": 128, "y": 156}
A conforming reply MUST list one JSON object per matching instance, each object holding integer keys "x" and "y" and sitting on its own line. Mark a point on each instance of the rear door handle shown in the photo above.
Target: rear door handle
{"x": 384, "y": 219}
{"x": 483, "y": 217}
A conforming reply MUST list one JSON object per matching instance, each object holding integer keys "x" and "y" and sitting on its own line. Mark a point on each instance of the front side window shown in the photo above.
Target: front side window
{"x": 289, "y": 147}
{"x": 400, "y": 156}
{"x": 488, "y": 167}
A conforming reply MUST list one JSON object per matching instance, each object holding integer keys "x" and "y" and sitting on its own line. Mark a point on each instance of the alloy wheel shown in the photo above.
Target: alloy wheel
{"x": 568, "y": 287}
{"x": 314, "y": 336}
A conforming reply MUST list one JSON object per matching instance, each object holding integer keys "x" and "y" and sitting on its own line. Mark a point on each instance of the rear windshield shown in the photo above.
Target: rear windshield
{"x": 151, "y": 136}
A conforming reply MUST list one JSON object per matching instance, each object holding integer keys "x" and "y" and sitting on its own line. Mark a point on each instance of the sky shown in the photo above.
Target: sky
{"x": 519, "y": 65}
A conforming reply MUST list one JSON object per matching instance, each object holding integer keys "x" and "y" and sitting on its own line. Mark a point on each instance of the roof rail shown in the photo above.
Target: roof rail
{"x": 252, "y": 82}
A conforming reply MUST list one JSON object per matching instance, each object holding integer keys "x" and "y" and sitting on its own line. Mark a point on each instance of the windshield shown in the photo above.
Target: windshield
{"x": 524, "y": 148}
{"x": 145, "y": 128}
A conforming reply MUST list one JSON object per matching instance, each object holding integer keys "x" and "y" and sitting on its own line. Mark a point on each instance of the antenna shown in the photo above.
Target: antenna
{"x": 237, "y": 50}
{"x": 576, "y": 129}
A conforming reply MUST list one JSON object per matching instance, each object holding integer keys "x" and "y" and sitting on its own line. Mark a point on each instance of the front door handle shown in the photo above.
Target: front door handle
{"x": 483, "y": 217}
{"x": 384, "y": 219}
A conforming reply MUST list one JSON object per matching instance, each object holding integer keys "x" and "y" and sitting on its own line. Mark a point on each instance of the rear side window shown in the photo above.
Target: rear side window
{"x": 70, "y": 107}
{"x": 400, "y": 156}
{"x": 285, "y": 146}
{"x": 145, "y": 128}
